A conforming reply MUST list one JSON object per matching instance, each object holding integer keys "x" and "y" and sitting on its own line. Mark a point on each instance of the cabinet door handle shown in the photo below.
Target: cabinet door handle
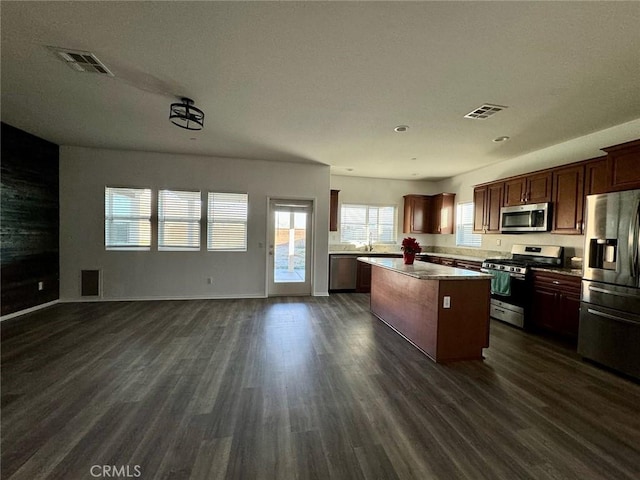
{"x": 555, "y": 282}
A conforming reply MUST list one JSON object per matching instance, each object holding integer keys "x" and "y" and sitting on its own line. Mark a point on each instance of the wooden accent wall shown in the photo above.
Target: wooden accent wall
{"x": 29, "y": 216}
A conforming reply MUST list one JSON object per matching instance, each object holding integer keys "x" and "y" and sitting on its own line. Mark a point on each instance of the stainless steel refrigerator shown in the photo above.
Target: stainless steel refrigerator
{"x": 610, "y": 309}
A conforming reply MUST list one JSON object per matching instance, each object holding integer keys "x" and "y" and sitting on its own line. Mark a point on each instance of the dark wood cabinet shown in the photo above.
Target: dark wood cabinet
{"x": 428, "y": 213}
{"x": 333, "y": 211}
{"x": 363, "y": 278}
{"x": 363, "y": 273}
{"x": 487, "y": 203}
{"x": 538, "y": 188}
{"x": 469, "y": 265}
{"x": 595, "y": 176}
{"x": 556, "y": 304}
{"x": 623, "y": 166}
{"x": 515, "y": 191}
{"x": 417, "y": 209}
{"x": 568, "y": 199}
{"x": 534, "y": 188}
{"x": 451, "y": 262}
{"x": 442, "y": 213}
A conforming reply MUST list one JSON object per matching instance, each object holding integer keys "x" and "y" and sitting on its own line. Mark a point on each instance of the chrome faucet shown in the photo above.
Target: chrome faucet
{"x": 369, "y": 246}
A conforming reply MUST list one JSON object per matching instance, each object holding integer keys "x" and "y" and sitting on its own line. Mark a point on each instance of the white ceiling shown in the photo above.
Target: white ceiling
{"x": 326, "y": 82}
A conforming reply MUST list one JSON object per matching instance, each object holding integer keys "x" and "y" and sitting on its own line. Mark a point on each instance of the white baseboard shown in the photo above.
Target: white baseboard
{"x": 28, "y": 310}
{"x": 158, "y": 298}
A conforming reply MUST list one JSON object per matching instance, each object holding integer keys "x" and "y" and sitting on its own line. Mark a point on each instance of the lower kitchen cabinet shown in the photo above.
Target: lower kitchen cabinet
{"x": 363, "y": 281}
{"x": 555, "y": 304}
{"x": 363, "y": 273}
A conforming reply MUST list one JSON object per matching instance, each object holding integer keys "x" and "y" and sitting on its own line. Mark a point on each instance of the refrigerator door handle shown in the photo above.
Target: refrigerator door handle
{"x": 634, "y": 226}
{"x": 598, "y": 313}
{"x": 611, "y": 292}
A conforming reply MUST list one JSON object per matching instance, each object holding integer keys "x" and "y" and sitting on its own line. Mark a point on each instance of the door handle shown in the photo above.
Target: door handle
{"x": 610, "y": 317}
{"x": 610, "y": 292}
{"x": 634, "y": 233}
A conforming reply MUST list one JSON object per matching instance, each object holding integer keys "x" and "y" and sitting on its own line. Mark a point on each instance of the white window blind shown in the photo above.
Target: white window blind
{"x": 227, "y": 221}
{"x": 464, "y": 228}
{"x": 179, "y": 220}
{"x": 127, "y": 218}
{"x": 364, "y": 223}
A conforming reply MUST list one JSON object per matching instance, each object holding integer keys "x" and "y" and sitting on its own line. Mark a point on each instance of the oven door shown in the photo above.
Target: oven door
{"x": 510, "y": 308}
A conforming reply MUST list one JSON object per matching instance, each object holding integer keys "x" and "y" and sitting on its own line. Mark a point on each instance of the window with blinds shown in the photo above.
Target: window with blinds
{"x": 179, "y": 220}
{"x": 464, "y": 228}
{"x": 127, "y": 218}
{"x": 367, "y": 223}
{"x": 227, "y": 221}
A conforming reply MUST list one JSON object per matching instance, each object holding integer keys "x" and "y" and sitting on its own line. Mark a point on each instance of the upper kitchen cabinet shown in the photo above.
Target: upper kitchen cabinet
{"x": 514, "y": 191}
{"x": 442, "y": 213}
{"x": 595, "y": 176}
{"x": 534, "y": 188}
{"x": 428, "y": 213}
{"x": 622, "y": 166}
{"x": 487, "y": 201}
{"x": 568, "y": 197}
{"x": 333, "y": 211}
{"x": 417, "y": 218}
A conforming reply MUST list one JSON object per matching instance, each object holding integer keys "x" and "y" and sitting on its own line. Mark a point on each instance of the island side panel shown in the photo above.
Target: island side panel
{"x": 463, "y": 329}
{"x": 407, "y": 304}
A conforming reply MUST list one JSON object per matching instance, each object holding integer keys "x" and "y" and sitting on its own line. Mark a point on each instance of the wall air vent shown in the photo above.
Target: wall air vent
{"x": 484, "y": 111}
{"x": 81, "y": 61}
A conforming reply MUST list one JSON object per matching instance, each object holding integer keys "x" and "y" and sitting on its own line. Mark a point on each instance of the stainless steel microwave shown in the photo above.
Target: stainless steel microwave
{"x": 526, "y": 218}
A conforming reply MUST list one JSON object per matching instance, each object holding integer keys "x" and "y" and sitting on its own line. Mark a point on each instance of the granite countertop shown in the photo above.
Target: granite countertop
{"x": 572, "y": 272}
{"x": 425, "y": 271}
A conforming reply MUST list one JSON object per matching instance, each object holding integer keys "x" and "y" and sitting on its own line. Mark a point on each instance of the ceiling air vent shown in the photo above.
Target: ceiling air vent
{"x": 485, "y": 111}
{"x": 81, "y": 61}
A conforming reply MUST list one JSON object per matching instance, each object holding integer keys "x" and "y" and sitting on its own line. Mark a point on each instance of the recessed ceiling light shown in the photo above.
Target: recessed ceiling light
{"x": 401, "y": 128}
{"x": 500, "y": 139}
{"x": 413, "y": 158}
{"x": 414, "y": 174}
{"x": 349, "y": 169}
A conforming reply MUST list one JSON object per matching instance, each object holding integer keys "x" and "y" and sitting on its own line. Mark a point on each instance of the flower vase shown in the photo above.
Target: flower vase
{"x": 409, "y": 258}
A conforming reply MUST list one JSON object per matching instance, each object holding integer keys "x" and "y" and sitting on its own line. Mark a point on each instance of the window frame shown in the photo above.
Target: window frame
{"x": 109, "y": 217}
{"x": 211, "y": 222}
{"x": 162, "y": 219}
{"x": 465, "y": 236}
{"x": 367, "y": 223}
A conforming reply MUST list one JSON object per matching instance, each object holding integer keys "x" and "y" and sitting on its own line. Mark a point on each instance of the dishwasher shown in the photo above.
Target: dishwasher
{"x": 343, "y": 272}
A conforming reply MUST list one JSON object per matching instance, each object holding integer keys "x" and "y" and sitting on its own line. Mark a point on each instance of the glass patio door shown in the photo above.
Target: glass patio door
{"x": 289, "y": 259}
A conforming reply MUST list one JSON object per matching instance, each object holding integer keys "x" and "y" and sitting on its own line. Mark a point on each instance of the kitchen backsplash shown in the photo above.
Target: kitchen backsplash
{"x": 471, "y": 252}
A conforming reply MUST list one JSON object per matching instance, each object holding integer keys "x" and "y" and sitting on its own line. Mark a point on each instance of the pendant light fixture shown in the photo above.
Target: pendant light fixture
{"x": 186, "y": 115}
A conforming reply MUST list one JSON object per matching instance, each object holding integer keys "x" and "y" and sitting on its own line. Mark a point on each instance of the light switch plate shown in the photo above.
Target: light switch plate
{"x": 446, "y": 302}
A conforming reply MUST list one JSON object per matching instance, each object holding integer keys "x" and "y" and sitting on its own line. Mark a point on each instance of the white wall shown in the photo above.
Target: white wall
{"x": 378, "y": 191}
{"x": 85, "y": 172}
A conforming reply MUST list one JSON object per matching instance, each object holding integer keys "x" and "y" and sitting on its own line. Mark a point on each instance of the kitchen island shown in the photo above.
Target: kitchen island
{"x": 443, "y": 311}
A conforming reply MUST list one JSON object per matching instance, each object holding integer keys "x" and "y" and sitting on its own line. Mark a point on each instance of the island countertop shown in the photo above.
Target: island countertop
{"x": 425, "y": 271}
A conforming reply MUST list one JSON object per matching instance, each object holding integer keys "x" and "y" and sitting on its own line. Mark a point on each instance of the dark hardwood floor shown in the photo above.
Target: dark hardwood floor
{"x": 297, "y": 388}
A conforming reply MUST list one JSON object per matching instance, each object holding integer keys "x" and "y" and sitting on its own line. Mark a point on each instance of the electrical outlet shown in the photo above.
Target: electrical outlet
{"x": 209, "y": 281}
{"x": 446, "y": 302}
{"x": 40, "y": 286}
{"x": 498, "y": 241}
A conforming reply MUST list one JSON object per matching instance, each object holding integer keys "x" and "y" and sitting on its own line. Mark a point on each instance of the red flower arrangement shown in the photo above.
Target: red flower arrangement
{"x": 410, "y": 245}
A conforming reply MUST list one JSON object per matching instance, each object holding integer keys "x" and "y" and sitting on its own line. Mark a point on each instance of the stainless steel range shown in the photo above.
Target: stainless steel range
{"x": 511, "y": 307}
